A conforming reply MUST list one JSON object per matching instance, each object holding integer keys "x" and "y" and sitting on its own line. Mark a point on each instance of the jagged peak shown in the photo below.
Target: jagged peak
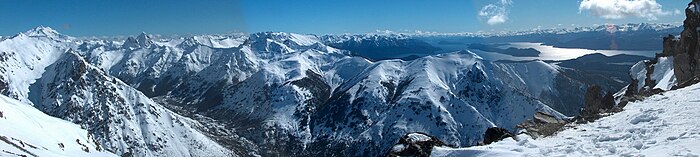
{"x": 283, "y": 37}
{"x": 73, "y": 56}
{"x": 142, "y": 40}
{"x": 361, "y": 37}
{"x": 143, "y": 36}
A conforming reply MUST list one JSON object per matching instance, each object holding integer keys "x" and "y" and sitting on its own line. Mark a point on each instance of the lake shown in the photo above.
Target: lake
{"x": 546, "y": 52}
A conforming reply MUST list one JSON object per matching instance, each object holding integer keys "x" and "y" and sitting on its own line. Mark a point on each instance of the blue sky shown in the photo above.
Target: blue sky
{"x": 168, "y": 17}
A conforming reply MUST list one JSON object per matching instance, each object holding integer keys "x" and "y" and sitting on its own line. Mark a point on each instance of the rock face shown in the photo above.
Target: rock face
{"x": 596, "y": 103}
{"x": 415, "y": 144}
{"x": 496, "y": 134}
{"x": 685, "y": 48}
{"x": 676, "y": 67}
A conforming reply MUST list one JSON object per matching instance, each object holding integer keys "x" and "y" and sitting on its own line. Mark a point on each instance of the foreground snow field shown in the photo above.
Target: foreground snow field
{"x": 27, "y": 131}
{"x": 661, "y": 125}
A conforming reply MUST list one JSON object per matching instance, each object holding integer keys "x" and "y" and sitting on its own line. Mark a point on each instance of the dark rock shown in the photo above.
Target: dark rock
{"x": 595, "y": 104}
{"x": 495, "y": 134}
{"x": 594, "y": 101}
{"x": 415, "y": 144}
{"x": 4, "y": 88}
{"x": 685, "y": 49}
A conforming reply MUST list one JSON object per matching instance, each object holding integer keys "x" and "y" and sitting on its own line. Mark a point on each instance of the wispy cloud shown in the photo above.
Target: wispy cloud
{"x": 619, "y": 9}
{"x": 496, "y": 13}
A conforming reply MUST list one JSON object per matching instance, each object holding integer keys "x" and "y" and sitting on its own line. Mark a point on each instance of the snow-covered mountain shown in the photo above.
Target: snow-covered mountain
{"x": 381, "y": 46}
{"x": 122, "y": 119}
{"x": 270, "y": 93}
{"x": 655, "y": 117}
{"x": 43, "y": 69}
{"x": 24, "y": 58}
{"x": 290, "y": 90}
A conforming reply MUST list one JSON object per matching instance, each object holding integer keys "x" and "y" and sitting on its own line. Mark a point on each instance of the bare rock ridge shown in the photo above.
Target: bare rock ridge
{"x": 676, "y": 67}
{"x": 685, "y": 48}
{"x": 595, "y": 103}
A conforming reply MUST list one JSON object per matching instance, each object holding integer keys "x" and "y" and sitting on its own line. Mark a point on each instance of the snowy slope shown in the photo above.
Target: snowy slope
{"x": 24, "y": 57}
{"x": 454, "y": 97}
{"x": 661, "y": 125}
{"x": 28, "y": 131}
{"x": 41, "y": 67}
{"x": 121, "y": 119}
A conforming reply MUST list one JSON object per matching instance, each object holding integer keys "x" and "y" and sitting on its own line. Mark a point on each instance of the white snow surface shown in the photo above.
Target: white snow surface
{"x": 26, "y": 55}
{"x": 661, "y": 125}
{"x": 663, "y": 73}
{"x": 28, "y": 131}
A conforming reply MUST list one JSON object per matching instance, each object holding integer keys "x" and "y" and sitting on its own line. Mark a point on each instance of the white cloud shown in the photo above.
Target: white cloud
{"x": 496, "y": 13}
{"x": 618, "y": 9}
{"x": 677, "y": 12}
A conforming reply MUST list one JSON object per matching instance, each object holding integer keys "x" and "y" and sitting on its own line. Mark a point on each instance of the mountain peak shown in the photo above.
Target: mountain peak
{"x": 144, "y": 36}
{"x": 43, "y": 31}
{"x": 142, "y": 40}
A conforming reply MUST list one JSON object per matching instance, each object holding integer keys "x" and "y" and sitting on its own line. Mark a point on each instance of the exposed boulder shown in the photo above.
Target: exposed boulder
{"x": 415, "y": 144}
{"x": 496, "y": 134}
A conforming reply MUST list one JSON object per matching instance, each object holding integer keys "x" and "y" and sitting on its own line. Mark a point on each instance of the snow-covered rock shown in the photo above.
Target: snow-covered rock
{"x": 653, "y": 74}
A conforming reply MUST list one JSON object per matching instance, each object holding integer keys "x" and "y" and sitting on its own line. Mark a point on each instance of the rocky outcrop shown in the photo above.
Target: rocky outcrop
{"x": 496, "y": 134}
{"x": 676, "y": 67}
{"x": 596, "y": 103}
{"x": 415, "y": 144}
{"x": 542, "y": 124}
{"x": 685, "y": 48}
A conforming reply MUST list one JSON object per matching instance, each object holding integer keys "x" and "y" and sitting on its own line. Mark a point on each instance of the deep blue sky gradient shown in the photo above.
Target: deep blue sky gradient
{"x": 169, "y": 17}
